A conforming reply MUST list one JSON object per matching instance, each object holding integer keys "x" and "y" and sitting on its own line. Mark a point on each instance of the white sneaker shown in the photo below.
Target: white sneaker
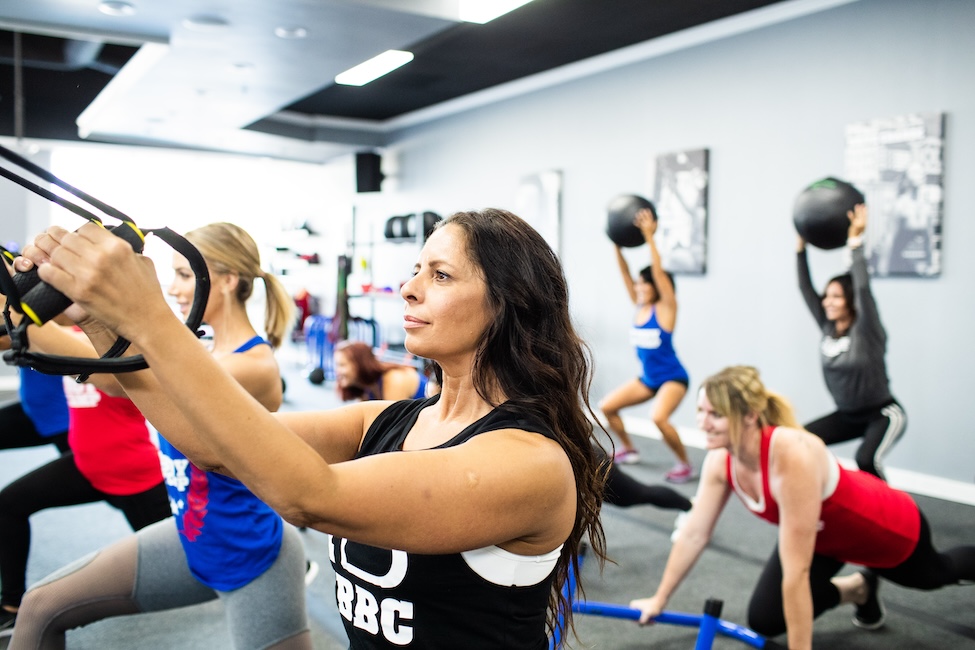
{"x": 311, "y": 571}
{"x": 678, "y": 524}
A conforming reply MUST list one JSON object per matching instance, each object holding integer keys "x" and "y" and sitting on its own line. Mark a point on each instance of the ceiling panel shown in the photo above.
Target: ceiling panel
{"x": 217, "y": 76}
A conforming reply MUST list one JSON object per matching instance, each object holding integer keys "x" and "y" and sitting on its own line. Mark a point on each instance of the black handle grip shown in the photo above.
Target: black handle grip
{"x": 42, "y": 302}
{"x": 26, "y": 281}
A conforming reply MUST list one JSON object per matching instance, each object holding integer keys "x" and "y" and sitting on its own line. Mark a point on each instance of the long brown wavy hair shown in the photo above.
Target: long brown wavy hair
{"x": 532, "y": 353}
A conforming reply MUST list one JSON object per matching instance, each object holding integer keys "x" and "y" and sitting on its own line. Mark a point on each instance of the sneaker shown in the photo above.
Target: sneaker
{"x": 678, "y": 524}
{"x": 311, "y": 572}
{"x": 870, "y": 615}
{"x": 7, "y": 620}
{"x": 626, "y": 457}
{"x": 681, "y": 473}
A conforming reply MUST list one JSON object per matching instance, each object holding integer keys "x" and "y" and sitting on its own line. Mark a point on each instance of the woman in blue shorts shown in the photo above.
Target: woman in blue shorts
{"x": 662, "y": 376}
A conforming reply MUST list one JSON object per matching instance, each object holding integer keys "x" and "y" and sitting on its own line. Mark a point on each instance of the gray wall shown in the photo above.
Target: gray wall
{"x": 771, "y": 105}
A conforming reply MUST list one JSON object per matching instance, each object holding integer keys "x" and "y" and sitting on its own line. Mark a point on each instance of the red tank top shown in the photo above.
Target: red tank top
{"x": 864, "y": 521}
{"x": 110, "y": 441}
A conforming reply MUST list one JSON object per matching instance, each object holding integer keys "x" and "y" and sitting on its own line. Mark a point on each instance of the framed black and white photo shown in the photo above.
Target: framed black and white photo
{"x": 538, "y": 200}
{"x": 680, "y": 194}
{"x": 897, "y": 162}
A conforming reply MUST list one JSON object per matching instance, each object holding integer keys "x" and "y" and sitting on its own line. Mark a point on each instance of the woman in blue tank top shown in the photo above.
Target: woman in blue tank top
{"x": 662, "y": 375}
{"x": 225, "y": 542}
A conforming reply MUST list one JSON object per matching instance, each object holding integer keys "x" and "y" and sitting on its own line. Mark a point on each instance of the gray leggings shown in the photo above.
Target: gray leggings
{"x": 148, "y": 572}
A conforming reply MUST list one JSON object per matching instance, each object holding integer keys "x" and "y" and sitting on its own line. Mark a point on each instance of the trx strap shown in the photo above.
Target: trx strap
{"x": 39, "y": 302}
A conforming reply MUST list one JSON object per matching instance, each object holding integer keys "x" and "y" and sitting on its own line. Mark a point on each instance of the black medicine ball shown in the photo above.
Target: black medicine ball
{"x": 820, "y": 213}
{"x": 620, "y": 214}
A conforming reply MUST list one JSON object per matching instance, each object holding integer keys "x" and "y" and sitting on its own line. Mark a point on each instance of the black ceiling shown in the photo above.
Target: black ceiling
{"x": 540, "y": 36}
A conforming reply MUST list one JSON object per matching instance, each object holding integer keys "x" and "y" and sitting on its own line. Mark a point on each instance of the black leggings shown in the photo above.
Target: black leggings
{"x": 926, "y": 569}
{"x": 879, "y": 427}
{"x": 17, "y": 431}
{"x": 58, "y": 483}
{"x": 625, "y": 491}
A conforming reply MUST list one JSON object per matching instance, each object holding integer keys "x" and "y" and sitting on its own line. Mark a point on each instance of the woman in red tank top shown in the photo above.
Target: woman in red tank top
{"x": 787, "y": 476}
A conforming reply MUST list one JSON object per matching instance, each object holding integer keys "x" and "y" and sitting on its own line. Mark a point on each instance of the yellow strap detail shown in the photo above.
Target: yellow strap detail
{"x": 30, "y": 313}
{"x": 136, "y": 229}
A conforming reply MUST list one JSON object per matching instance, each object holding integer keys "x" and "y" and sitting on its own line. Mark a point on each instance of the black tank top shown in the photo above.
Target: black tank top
{"x": 394, "y": 599}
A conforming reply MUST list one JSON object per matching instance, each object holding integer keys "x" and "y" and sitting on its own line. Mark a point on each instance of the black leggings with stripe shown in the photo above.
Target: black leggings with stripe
{"x": 926, "y": 568}
{"x": 879, "y": 427}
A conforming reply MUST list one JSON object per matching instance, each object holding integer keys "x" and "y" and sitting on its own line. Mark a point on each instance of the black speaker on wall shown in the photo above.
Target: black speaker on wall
{"x": 368, "y": 172}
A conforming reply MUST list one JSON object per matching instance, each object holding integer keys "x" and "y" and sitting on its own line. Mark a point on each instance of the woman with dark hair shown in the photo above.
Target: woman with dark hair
{"x": 826, "y": 515}
{"x": 852, "y": 352}
{"x": 467, "y": 540}
{"x": 359, "y": 374}
{"x": 662, "y": 375}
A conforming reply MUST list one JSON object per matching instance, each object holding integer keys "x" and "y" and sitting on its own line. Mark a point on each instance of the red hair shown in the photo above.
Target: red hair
{"x": 368, "y": 369}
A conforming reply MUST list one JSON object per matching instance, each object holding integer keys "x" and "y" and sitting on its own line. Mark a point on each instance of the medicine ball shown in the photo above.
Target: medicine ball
{"x": 620, "y": 214}
{"x": 820, "y": 213}
{"x": 316, "y": 376}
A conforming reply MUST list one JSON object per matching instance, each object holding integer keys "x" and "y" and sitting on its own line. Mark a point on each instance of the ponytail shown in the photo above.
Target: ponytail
{"x": 779, "y": 412}
{"x": 279, "y": 311}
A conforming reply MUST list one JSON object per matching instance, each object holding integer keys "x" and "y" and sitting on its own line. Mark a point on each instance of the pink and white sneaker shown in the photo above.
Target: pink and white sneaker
{"x": 626, "y": 457}
{"x": 681, "y": 473}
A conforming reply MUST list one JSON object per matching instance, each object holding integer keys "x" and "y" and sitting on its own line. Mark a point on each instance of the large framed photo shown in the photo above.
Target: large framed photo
{"x": 897, "y": 162}
{"x": 680, "y": 194}
{"x": 538, "y": 200}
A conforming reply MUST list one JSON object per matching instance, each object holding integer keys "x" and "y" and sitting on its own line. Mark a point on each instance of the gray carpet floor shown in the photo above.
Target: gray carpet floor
{"x": 638, "y": 540}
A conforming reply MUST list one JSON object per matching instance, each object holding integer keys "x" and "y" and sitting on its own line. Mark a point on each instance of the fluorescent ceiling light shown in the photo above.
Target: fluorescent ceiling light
{"x": 482, "y": 11}
{"x": 374, "y": 68}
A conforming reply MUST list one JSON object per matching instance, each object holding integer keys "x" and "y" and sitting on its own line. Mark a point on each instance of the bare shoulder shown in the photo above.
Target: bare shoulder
{"x": 797, "y": 450}
{"x": 792, "y": 440}
{"x": 715, "y": 466}
{"x": 519, "y": 451}
{"x": 257, "y": 371}
{"x": 523, "y": 467}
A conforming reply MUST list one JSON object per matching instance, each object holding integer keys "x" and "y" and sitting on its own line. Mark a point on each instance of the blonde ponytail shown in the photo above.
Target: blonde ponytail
{"x": 228, "y": 248}
{"x": 279, "y": 313}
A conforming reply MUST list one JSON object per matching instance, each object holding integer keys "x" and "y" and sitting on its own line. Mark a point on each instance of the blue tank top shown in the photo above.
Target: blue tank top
{"x": 229, "y": 535}
{"x": 42, "y": 398}
{"x": 655, "y": 349}
{"x": 421, "y": 389}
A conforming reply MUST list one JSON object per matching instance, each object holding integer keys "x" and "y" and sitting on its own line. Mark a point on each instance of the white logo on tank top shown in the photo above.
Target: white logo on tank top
{"x": 648, "y": 339}
{"x": 360, "y": 607}
{"x": 831, "y": 347}
{"x": 81, "y": 396}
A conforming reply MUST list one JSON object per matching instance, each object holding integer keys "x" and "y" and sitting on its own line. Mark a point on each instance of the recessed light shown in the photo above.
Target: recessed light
{"x": 205, "y": 23}
{"x": 290, "y": 32}
{"x": 116, "y": 8}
